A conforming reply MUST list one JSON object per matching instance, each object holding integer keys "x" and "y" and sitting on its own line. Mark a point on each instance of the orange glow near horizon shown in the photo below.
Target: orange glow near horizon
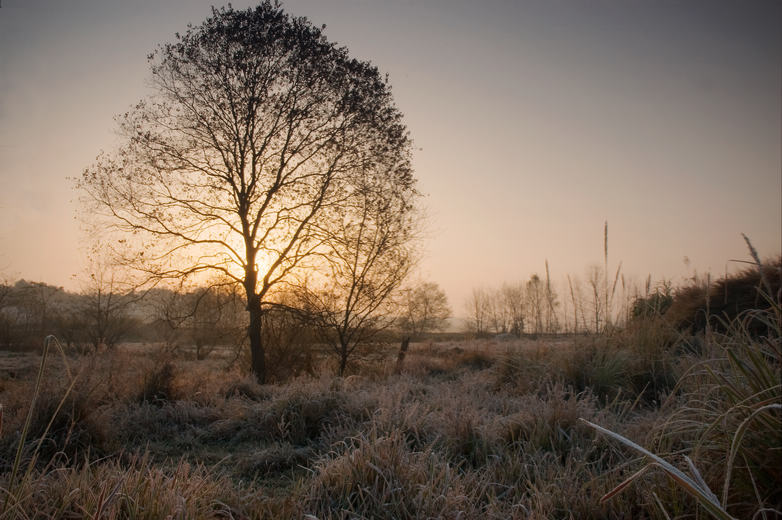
{"x": 534, "y": 122}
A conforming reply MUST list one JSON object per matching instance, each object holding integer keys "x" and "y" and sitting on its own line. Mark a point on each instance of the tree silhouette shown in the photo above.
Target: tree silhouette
{"x": 246, "y": 153}
{"x": 425, "y": 309}
{"x": 371, "y": 251}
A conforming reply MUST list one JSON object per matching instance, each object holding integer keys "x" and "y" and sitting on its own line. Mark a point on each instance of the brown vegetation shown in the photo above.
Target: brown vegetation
{"x": 500, "y": 427}
{"x": 717, "y": 305}
{"x": 483, "y": 428}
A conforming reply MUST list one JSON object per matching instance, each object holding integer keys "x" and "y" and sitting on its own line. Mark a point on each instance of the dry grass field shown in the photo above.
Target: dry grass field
{"x": 473, "y": 428}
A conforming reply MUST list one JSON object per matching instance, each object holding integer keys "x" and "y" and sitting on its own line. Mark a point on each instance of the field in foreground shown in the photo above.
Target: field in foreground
{"x": 473, "y": 429}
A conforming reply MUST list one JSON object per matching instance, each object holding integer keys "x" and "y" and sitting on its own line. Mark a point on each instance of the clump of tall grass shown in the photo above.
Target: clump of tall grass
{"x": 244, "y": 387}
{"x": 280, "y": 460}
{"x": 625, "y": 366}
{"x": 158, "y": 384}
{"x": 528, "y": 368}
{"x": 692, "y": 484}
{"x": 428, "y": 361}
{"x": 137, "y": 489}
{"x": 727, "y": 418}
{"x": 379, "y": 476}
{"x": 729, "y": 415}
{"x": 697, "y": 307}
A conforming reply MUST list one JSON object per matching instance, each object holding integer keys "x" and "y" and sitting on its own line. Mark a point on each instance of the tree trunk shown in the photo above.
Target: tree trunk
{"x": 343, "y": 360}
{"x": 258, "y": 363}
{"x": 402, "y": 352}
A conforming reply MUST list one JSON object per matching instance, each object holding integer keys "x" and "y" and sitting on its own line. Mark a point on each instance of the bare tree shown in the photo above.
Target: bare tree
{"x": 5, "y": 293}
{"x": 371, "y": 252}
{"x": 513, "y": 301}
{"x": 203, "y": 317}
{"x": 478, "y": 311}
{"x": 424, "y": 309}
{"x": 215, "y": 318}
{"x": 291, "y": 338}
{"x": 251, "y": 142}
{"x": 536, "y": 303}
{"x": 6, "y": 320}
{"x": 502, "y": 310}
{"x": 32, "y": 310}
{"x": 170, "y": 310}
{"x": 104, "y": 307}
{"x": 497, "y": 312}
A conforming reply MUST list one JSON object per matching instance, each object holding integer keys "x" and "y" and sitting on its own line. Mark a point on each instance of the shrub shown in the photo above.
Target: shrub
{"x": 728, "y": 420}
{"x": 718, "y": 305}
{"x": 158, "y": 384}
{"x": 380, "y": 477}
{"x": 599, "y": 367}
{"x": 62, "y": 425}
{"x": 474, "y": 360}
{"x": 653, "y": 305}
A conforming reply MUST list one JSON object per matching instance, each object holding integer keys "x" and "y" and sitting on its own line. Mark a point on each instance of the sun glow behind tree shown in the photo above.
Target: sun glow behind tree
{"x": 259, "y": 139}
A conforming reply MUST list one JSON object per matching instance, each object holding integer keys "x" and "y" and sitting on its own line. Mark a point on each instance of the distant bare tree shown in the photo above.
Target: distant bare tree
{"x": 424, "y": 309}
{"x": 536, "y": 303}
{"x": 203, "y": 316}
{"x": 291, "y": 339}
{"x": 170, "y": 310}
{"x": 104, "y": 308}
{"x": 32, "y": 311}
{"x": 5, "y": 318}
{"x": 499, "y": 321}
{"x": 5, "y": 292}
{"x": 216, "y": 318}
{"x": 552, "y": 322}
{"x": 513, "y": 301}
{"x": 478, "y": 311}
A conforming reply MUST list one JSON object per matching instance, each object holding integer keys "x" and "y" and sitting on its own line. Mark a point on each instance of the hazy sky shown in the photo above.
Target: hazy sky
{"x": 534, "y": 122}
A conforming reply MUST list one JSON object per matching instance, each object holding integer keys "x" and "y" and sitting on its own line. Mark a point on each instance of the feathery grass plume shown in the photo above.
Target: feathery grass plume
{"x": 613, "y": 286}
{"x": 575, "y": 306}
{"x": 754, "y": 254}
{"x": 605, "y": 275}
{"x": 726, "y": 299}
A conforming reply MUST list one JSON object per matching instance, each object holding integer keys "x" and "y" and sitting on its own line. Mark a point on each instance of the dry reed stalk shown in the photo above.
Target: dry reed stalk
{"x": 575, "y": 307}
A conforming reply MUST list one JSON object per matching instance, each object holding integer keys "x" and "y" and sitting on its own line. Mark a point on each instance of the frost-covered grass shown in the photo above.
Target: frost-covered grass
{"x": 473, "y": 429}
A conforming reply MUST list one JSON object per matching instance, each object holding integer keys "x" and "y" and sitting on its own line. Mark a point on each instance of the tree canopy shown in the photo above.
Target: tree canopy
{"x": 256, "y": 139}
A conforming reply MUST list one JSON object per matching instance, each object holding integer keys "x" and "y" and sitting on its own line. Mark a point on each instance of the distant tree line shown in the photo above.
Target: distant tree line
{"x": 88, "y": 320}
{"x": 197, "y": 320}
{"x": 600, "y": 302}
